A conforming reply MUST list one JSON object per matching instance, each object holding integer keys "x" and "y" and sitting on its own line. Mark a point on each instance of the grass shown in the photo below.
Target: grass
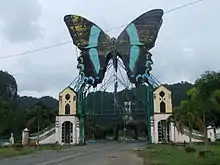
{"x": 13, "y": 151}
{"x": 164, "y": 154}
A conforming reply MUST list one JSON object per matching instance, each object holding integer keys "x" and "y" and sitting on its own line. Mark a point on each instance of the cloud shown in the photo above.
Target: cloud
{"x": 20, "y": 19}
{"x": 187, "y": 49}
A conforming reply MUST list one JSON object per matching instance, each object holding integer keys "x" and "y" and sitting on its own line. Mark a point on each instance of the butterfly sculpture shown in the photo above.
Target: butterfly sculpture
{"x": 132, "y": 46}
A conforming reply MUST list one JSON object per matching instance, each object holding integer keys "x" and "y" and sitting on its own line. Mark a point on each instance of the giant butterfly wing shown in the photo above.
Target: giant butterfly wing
{"x": 136, "y": 40}
{"x": 92, "y": 42}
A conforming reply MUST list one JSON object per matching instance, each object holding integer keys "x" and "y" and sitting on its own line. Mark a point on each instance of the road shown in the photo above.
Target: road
{"x": 92, "y": 154}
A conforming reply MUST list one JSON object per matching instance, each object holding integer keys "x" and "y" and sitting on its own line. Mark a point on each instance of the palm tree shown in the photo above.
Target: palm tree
{"x": 188, "y": 115}
{"x": 184, "y": 115}
{"x": 176, "y": 118}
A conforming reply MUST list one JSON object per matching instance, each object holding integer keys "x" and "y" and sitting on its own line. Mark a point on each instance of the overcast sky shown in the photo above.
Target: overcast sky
{"x": 187, "y": 44}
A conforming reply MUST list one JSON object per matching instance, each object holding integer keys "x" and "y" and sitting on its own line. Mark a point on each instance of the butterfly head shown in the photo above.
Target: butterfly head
{"x": 113, "y": 42}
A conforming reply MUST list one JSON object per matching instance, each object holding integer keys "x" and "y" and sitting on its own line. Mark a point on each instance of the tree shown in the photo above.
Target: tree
{"x": 188, "y": 115}
{"x": 18, "y": 112}
{"x": 200, "y": 107}
{"x": 177, "y": 119}
{"x": 208, "y": 83}
{"x": 184, "y": 116}
{"x": 4, "y": 113}
{"x": 206, "y": 94}
{"x": 40, "y": 117}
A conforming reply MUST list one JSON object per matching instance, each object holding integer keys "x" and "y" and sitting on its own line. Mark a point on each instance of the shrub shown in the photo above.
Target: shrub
{"x": 190, "y": 149}
{"x": 18, "y": 146}
{"x": 206, "y": 154}
{"x": 33, "y": 144}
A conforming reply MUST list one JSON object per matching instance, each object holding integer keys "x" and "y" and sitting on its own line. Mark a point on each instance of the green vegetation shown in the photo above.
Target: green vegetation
{"x": 17, "y": 112}
{"x": 163, "y": 154}
{"x": 18, "y": 150}
{"x": 201, "y": 108}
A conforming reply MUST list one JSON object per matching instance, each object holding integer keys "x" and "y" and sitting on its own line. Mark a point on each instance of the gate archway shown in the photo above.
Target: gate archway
{"x": 164, "y": 132}
{"x": 131, "y": 47}
{"x": 67, "y": 132}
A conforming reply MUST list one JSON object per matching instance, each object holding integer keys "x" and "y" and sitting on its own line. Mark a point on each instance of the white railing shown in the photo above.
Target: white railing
{"x": 195, "y": 134}
{"x": 43, "y": 135}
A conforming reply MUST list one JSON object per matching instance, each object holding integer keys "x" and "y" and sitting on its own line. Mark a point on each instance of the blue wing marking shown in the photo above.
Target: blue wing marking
{"x": 134, "y": 40}
{"x": 93, "y": 43}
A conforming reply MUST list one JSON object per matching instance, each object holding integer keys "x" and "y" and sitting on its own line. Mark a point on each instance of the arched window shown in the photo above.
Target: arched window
{"x": 67, "y": 97}
{"x": 67, "y": 109}
{"x": 162, "y": 107}
{"x": 162, "y": 94}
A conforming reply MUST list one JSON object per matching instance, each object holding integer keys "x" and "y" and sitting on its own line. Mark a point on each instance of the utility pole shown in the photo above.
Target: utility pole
{"x": 38, "y": 131}
{"x": 38, "y": 124}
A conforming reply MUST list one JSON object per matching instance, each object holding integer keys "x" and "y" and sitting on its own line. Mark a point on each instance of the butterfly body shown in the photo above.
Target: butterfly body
{"x": 132, "y": 46}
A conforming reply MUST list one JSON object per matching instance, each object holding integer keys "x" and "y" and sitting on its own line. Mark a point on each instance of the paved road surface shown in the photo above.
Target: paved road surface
{"x": 92, "y": 154}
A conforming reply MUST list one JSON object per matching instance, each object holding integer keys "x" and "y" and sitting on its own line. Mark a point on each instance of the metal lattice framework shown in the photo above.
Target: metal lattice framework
{"x": 116, "y": 79}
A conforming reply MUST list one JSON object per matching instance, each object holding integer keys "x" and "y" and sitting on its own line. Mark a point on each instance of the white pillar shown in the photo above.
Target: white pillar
{"x": 156, "y": 131}
{"x": 173, "y": 133}
{"x": 77, "y": 130}
{"x": 25, "y": 136}
{"x": 152, "y": 129}
{"x": 11, "y": 139}
{"x": 211, "y": 133}
{"x": 60, "y": 132}
{"x": 77, "y": 135}
{"x": 57, "y": 131}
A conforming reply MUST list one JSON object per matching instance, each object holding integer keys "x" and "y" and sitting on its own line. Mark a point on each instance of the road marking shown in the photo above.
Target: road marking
{"x": 63, "y": 158}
